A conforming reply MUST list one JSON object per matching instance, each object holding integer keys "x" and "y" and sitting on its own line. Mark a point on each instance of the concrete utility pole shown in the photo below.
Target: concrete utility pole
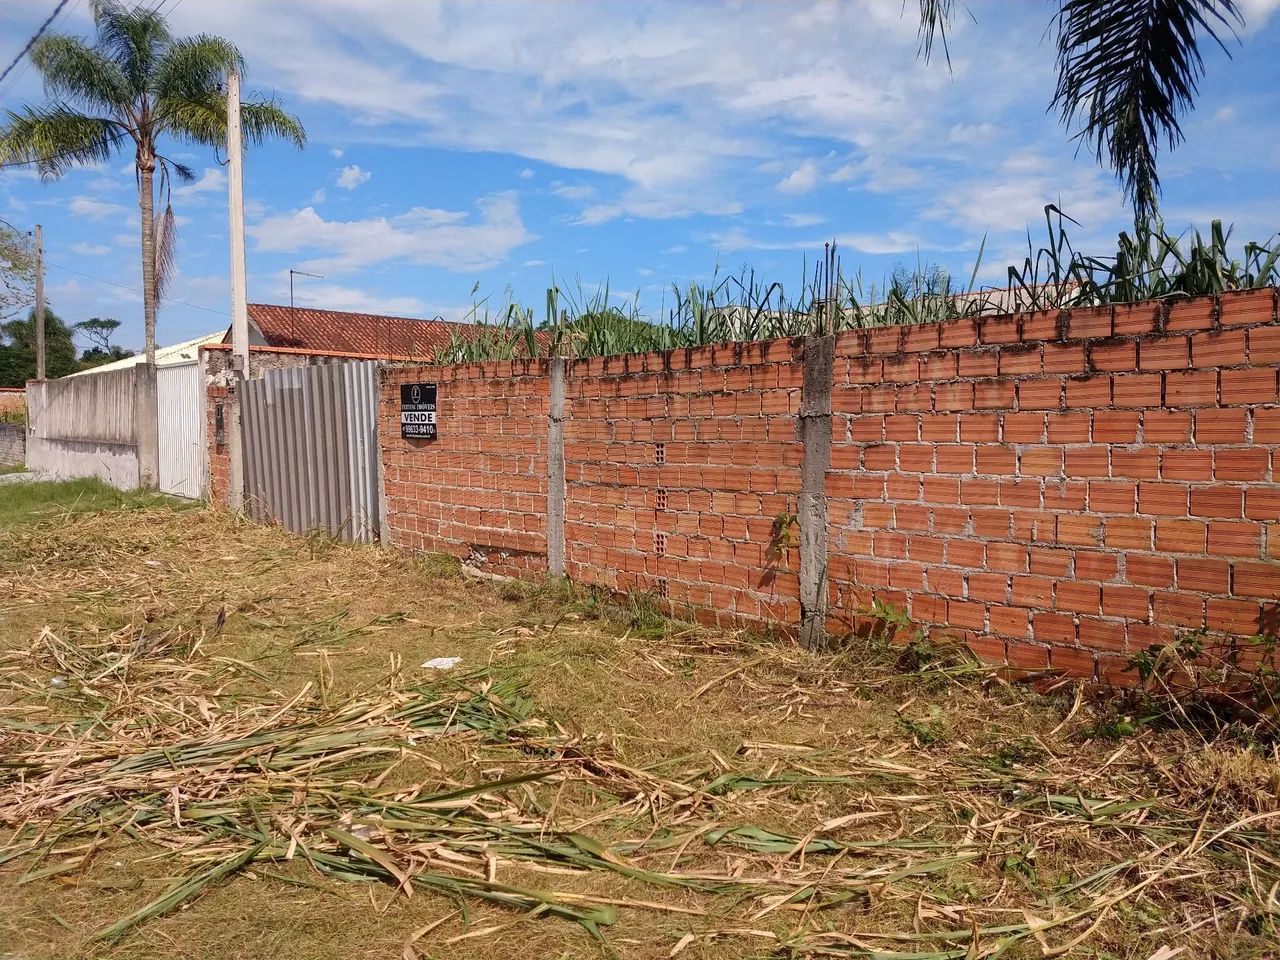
{"x": 235, "y": 196}
{"x": 239, "y": 294}
{"x": 40, "y": 365}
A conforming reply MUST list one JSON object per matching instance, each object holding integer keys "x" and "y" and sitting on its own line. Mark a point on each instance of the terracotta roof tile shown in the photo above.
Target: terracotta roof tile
{"x": 306, "y": 328}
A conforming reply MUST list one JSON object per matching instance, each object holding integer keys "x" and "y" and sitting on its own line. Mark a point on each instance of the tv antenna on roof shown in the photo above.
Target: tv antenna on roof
{"x": 299, "y": 273}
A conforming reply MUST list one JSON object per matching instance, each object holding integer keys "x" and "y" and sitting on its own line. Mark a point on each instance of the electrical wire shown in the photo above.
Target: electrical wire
{"x": 32, "y": 42}
{"x": 112, "y": 283}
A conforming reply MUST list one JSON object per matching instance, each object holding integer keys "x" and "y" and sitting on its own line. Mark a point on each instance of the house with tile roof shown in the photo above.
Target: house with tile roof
{"x": 327, "y": 332}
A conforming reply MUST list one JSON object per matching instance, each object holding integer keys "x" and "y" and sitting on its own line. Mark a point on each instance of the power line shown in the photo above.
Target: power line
{"x": 32, "y": 42}
{"x": 112, "y": 283}
{"x": 21, "y": 72}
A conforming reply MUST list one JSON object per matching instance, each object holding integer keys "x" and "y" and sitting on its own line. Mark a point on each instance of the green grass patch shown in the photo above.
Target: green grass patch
{"x": 45, "y": 499}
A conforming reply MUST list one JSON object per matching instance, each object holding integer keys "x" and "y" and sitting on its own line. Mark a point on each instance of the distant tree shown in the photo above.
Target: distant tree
{"x": 99, "y": 330}
{"x": 135, "y": 84}
{"x": 97, "y": 356}
{"x": 17, "y": 270}
{"x": 18, "y": 349}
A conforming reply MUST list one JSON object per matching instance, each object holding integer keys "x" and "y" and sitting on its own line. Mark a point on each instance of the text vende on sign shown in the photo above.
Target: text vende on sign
{"x": 418, "y": 411}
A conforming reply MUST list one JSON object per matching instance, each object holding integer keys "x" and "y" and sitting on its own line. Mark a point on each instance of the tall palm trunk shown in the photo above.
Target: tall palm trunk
{"x": 147, "y": 427}
{"x": 146, "y": 203}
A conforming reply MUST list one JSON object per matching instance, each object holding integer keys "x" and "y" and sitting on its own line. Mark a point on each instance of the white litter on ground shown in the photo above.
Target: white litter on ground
{"x": 442, "y": 663}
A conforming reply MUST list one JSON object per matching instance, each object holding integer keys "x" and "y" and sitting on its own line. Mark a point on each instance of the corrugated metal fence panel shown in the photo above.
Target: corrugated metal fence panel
{"x": 360, "y": 381}
{"x": 309, "y": 436}
{"x": 180, "y": 410}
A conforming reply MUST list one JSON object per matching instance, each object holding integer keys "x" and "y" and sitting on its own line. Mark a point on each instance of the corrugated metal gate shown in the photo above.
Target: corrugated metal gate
{"x": 180, "y": 414}
{"x": 311, "y": 447}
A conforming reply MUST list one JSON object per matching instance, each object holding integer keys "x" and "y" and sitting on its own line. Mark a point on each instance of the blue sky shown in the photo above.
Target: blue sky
{"x": 499, "y": 144}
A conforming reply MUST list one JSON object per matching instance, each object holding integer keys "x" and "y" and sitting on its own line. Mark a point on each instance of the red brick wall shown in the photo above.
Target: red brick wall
{"x": 219, "y": 455}
{"x": 676, "y": 466}
{"x": 1058, "y": 488}
{"x": 1062, "y": 489}
{"x": 480, "y": 490}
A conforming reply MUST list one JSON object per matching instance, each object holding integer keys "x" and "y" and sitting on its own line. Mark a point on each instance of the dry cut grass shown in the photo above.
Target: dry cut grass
{"x": 217, "y": 740}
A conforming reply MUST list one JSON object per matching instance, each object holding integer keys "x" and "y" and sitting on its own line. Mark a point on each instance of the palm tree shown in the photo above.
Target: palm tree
{"x": 1127, "y": 70}
{"x": 135, "y": 84}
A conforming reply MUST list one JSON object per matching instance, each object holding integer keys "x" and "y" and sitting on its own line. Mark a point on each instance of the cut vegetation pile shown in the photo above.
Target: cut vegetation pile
{"x": 216, "y": 740}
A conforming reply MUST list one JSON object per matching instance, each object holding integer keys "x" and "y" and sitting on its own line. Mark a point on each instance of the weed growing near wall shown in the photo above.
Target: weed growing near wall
{"x": 1149, "y": 264}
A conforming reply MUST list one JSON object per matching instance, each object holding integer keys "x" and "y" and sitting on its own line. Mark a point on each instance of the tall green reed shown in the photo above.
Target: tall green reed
{"x": 1149, "y": 264}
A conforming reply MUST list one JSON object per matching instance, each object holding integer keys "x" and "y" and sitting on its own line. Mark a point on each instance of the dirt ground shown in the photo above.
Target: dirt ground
{"x": 219, "y": 740}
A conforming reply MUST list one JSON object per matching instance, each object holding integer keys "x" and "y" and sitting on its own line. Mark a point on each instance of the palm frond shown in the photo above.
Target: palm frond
{"x": 56, "y": 139}
{"x": 935, "y": 20}
{"x": 1129, "y": 69}
{"x": 166, "y": 229}
{"x": 74, "y": 71}
{"x": 134, "y": 38}
{"x": 262, "y": 119}
{"x": 204, "y": 120}
{"x": 193, "y": 66}
{"x": 185, "y": 173}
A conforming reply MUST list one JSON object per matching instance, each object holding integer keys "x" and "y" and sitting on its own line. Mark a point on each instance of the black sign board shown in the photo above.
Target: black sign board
{"x": 418, "y": 411}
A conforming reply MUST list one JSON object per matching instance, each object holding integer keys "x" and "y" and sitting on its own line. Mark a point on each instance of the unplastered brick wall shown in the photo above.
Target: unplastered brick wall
{"x": 479, "y": 492}
{"x": 681, "y": 470}
{"x": 218, "y": 408}
{"x": 1060, "y": 489}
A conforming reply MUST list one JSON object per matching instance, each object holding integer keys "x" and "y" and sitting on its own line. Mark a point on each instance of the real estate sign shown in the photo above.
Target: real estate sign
{"x": 418, "y": 411}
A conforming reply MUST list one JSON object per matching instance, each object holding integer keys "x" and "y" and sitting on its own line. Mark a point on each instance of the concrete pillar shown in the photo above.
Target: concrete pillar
{"x": 146, "y": 426}
{"x": 557, "y": 371}
{"x": 814, "y": 428}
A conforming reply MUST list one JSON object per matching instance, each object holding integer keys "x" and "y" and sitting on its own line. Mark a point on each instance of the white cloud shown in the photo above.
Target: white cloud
{"x": 1016, "y": 193}
{"x": 1227, "y": 113}
{"x": 568, "y": 191}
{"x": 95, "y": 209}
{"x": 451, "y": 239}
{"x": 1258, "y": 12}
{"x": 320, "y": 196}
{"x": 600, "y": 213}
{"x": 526, "y": 174}
{"x": 90, "y": 249}
{"x": 970, "y": 134}
{"x": 802, "y": 179}
{"x": 649, "y": 95}
{"x": 352, "y": 176}
{"x": 892, "y": 241}
{"x": 212, "y": 181}
{"x": 534, "y": 263}
{"x": 335, "y": 152}
{"x": 332, "y": 296}
{"x": 803, "y": 219}
{"x": 878, "y": 173}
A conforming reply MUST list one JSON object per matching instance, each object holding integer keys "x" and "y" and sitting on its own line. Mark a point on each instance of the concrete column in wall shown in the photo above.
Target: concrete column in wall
{"x": 146, "y": 426}
{"x": 557, "y": 371}
{"x": 814, "y": 430}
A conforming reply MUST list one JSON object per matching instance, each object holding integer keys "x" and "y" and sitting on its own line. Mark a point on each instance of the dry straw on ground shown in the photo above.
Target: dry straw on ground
{"x": 217, "y": 741}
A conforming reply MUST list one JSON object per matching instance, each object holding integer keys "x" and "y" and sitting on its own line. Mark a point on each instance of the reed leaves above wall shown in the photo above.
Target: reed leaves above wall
{"x": 1149, "y": 263}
